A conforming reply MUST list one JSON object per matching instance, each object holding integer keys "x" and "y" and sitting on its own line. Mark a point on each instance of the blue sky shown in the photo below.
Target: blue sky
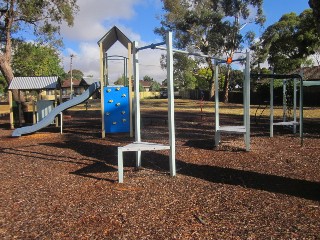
{"x": 137, "y": 19}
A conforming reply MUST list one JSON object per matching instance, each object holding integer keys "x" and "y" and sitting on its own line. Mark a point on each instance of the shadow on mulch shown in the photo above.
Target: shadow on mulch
{"x": 106, "y": 160}
{"x": 247, "y": 179}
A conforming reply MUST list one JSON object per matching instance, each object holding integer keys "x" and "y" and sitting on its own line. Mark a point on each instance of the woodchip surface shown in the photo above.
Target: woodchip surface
{"x": 65, "y": 186}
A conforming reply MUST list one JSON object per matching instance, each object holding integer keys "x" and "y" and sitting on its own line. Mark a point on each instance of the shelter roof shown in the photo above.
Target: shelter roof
{"x": 35, "y": 83}
{"x": 110, "y": 38}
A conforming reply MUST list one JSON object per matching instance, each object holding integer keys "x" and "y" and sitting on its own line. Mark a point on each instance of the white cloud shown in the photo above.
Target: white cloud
{"x": 95, "y": 18}
{"x": 94, "y": 15}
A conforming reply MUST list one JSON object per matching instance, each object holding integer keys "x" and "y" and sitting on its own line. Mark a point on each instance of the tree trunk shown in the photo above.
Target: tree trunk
{"x": 226, "y": 86}
{"x": 211, "y": 80}
{"x": 7, "y": 72}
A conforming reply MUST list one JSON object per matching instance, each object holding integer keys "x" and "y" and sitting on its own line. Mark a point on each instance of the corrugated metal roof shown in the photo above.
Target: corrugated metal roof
{"x": 29, "y": 83}
{"x": 113, "y": 35}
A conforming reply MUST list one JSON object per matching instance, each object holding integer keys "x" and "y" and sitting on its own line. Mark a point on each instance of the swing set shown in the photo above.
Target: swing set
{"x": 287, "y": 80}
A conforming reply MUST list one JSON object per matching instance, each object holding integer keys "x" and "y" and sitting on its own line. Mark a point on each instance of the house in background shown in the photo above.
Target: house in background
{"x": 84, "y": 85}
{"x": 146, "y": 85}
{"x": 78, "y": 86}
{"x": 66, "y": 88}
{"x": 311, "y": 95}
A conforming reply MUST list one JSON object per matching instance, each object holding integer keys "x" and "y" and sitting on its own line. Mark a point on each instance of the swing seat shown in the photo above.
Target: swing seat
{"x": 136, "y": 147}
{"x": 291, "y": 123}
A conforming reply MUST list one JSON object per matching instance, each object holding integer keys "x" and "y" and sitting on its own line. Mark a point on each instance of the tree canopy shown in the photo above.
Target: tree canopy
{"x": 287, "y": 43}
{"x": 210, "y": 26}
{"x": 31, "y": 59}
{"x": 315, "y": 5}
{"x": 41, "y": 17}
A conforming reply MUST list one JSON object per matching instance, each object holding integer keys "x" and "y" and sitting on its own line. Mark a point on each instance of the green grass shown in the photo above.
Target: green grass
{"x": 186, "y": 105}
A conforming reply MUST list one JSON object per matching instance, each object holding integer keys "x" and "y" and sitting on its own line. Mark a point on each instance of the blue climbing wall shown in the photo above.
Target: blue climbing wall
{"x": 116, "y": 109}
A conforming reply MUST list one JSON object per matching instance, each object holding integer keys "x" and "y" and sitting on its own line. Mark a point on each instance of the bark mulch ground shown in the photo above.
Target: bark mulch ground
{"x": 65, "y": 186}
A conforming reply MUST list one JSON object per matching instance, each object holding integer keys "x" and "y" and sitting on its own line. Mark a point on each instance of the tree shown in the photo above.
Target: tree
{"x": 155, "y": 86}
{"x": 42, "y": 17}
{"x": 76, "y": 74}
{"x": 148, "y": 78}
{"x": 315, "y": 6}
{"x": 31, "y": 59}
{"x": 3, "y": 84}
{"x": 288, "y": 43}
{"x": 209, "y": 26}
{"x": 120, "y": 80}
{"x": 183, "y": 70}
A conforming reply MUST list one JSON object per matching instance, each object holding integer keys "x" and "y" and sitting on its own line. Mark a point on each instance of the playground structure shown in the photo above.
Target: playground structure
{"x": 116, "y": 102}
{"x": 296, "y": 78}
{"x": 245, "y": 128}
{"x": 138, "y": 146}
{"x": 52, "y": 115}
{"x": 285, "y": 119}
{"x": 40, "y": 108}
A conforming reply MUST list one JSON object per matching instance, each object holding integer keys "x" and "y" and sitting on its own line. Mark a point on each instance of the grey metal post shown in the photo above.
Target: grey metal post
{"x": 171, "y": 104}
{"x": 216, "y": 104}
{"x": 120, "y": 165}
{"x": 136, "y": 100}
{"x": 271, "y": 107}
{"x": 294, "y": 105}
{"x": 284, "y": 100}
{"x": 301, "y": 108}
{"x": 247, "y": 102}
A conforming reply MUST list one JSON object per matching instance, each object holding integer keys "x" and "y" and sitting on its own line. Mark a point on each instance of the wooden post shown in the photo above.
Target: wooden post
{"x": 11, "y": 110}
{"x": 19, "y": 109}
{"x": 34, "y": 118}
{"x": 55, "y": 105}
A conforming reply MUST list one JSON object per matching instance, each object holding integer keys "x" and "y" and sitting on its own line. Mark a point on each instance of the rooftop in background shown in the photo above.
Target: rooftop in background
{"x": 66, "y": 83}
{"x": 34, "y": 83}
{"x": 309, "y": 73}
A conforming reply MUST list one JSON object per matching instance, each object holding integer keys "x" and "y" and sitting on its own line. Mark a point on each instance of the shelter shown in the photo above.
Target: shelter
{"x": 105, "y": 43}
{"x": 37, "y": 84}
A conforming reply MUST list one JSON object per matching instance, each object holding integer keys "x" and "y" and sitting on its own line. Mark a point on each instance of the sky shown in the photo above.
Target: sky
{"x": 137, "y": 19}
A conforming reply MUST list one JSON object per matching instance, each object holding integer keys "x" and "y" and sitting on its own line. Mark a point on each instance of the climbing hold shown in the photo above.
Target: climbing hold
{"x": 123, "y": 112}
{"x": 118, "y": 104}
{"x": 124, "y": 120}
{"x": 123, "y": 95}
{"x": 117, "y": 88}
{"x": 107, "y": 113}
{"x": 110, "y": 101}
{"x": 109, "y": 90}
{"x": 114, "y": 123}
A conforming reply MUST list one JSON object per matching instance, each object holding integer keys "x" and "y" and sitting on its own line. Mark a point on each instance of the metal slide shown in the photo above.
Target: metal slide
{"x": 57, "y": 110}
